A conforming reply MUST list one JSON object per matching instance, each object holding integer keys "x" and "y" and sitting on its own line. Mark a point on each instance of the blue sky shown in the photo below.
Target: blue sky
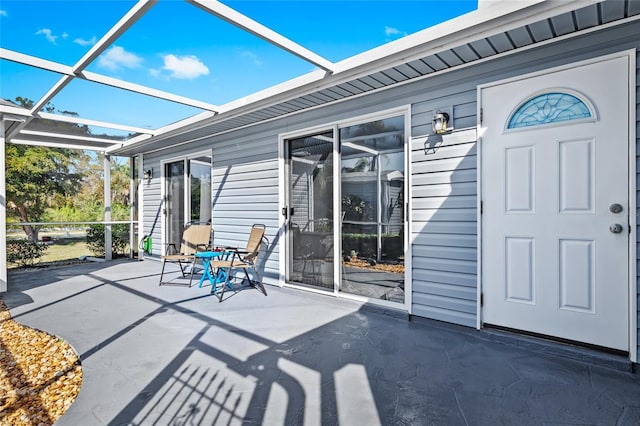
{"x": 179, "y": 48}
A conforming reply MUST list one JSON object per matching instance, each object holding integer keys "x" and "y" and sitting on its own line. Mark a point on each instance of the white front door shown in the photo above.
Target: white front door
{"x": 555, "y": 183}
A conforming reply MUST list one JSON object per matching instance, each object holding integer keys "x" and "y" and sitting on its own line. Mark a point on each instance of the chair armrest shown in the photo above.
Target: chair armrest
{"x": 243, "y": 256}
{"x": 202, "y": 247}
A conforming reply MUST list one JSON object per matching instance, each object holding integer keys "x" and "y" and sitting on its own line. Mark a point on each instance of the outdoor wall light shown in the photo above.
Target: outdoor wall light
{"x": 148, "y": 174}
{"x": 440, "y": 122}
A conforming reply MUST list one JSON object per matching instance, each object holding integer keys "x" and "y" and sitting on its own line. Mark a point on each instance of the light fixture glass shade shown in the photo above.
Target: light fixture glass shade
{"x": 440, "y": 122}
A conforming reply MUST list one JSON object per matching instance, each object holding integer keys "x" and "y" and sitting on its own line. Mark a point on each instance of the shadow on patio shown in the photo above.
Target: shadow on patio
{"x": 175, "y": 356}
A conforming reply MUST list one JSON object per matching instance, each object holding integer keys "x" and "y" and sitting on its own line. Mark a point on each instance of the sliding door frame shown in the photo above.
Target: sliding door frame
{"x": 187, "y": 192}
{"x": 283, "y": 182}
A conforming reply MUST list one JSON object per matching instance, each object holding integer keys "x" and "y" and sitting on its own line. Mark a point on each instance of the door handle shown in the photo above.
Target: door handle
{"x": 616, "y": 228}
{"x": 287, "y": 211}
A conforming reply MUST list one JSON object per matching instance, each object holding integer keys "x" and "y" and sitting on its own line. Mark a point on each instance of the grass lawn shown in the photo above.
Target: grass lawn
{"x": 65, "y": 249}
{"x": 62, "y": 249}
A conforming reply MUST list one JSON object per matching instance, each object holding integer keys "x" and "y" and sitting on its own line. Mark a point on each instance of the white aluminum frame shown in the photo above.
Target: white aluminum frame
{"x": 187, "y": 201}
{"x": 3, "y": 211}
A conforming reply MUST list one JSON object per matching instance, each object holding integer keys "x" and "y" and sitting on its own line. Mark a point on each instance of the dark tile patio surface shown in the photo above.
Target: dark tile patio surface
{"x": 176, "y": 356}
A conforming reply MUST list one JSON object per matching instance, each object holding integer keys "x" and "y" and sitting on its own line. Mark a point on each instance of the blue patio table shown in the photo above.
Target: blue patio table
{"x": 206, "y": 257}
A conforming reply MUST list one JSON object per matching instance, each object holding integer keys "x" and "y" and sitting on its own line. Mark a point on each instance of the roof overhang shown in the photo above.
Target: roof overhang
{"x": 497, "y": 28}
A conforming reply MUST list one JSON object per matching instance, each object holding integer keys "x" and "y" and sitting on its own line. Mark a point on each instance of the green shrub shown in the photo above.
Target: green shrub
{"x": 24, "y": 253}
{"x": 119, "y": 239}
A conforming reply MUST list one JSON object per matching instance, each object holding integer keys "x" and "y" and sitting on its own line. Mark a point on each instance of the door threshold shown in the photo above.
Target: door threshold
{"x": 590, "y": 354}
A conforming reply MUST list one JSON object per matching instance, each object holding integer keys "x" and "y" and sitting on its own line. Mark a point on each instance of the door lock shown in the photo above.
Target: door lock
{"x": 615, "y": 208}
{"x": 616, "y": 228}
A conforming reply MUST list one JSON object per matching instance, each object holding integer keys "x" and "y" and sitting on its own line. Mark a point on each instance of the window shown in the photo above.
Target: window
{"x": 550, "y": 108}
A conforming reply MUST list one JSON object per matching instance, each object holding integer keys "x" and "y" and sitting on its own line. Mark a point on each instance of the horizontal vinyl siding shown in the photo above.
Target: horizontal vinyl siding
{"x": 443, "y": 203}
{"x": 444, "y": 221}
{"x": 245, "y": 192}
{"x": 152, "y": 204}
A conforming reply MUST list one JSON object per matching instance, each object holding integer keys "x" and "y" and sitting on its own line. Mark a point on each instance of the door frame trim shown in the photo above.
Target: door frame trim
{"x": 630, "y": 55}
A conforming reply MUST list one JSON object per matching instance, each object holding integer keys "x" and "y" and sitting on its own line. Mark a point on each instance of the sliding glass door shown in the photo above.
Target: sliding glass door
{"x": 187, "y": 194}
{"x": 309, "y": 210}
{"x": 174, "y": 201}
{"x": 365, "y": 187}
{"x": 200, "y": 189}
{"x": 372, "y": 203}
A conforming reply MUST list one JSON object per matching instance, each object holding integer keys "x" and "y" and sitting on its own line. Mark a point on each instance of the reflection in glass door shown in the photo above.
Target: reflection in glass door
{"x": 174, "y": 201}
{"x": 187, "y": 194}
{"x": 200, "y": 190}
{"x": 372, "y": 186}
{"x": 309, "y": 211}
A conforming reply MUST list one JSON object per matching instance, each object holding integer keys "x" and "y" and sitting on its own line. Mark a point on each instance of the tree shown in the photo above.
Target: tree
{"x": 54, "y": 184}
{"x": 34, "y": 176}
{"x": 90, "y": 197}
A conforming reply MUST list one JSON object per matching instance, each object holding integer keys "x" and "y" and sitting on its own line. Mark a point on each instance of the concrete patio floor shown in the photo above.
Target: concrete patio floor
{"x": 174, "y": 356}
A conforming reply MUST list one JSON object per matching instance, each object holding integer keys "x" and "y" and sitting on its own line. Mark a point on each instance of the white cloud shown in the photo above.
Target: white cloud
{"x": 65, "y": 35}
{"x": 184, "y": 67}
{"x": 116, "y": 58}
{"x": 83, "y": 42}
{"x": 48, "y": 34}
{"x": 393, "y": 32}
{"x": 252, "y": 56}
{"x": 3, "y": 12}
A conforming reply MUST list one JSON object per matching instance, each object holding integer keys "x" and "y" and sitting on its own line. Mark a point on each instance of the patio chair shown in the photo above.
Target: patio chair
{"x": 244, "y": 259}
{"x": 195, "y": 237}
